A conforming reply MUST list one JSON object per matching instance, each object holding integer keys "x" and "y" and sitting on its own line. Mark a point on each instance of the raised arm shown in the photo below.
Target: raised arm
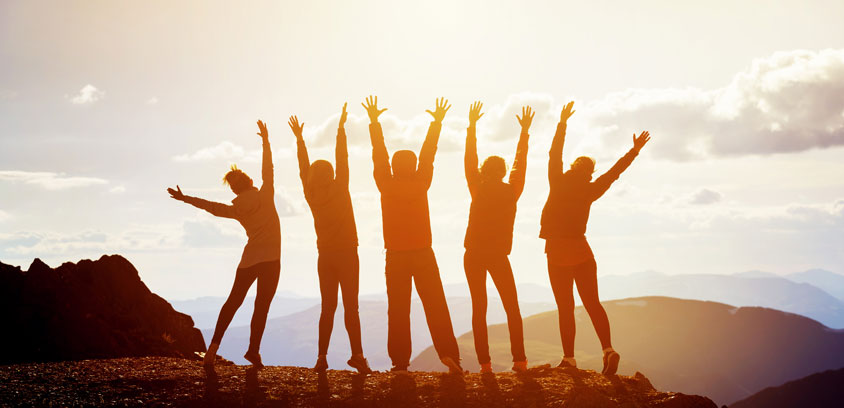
{"x": 470, "y": 160}
{"x": 603, "y": 183}
{"x": 341, "y": 152}
{"x": 517, "y": 173}
{"x": 380, "y": 157}
{"x": 267, "y": 159}
{"x": 301, "y": 149}
{"x": 217, "y": 209}
{"x": 429, "y": 147}
{"x": 555, "y": 155}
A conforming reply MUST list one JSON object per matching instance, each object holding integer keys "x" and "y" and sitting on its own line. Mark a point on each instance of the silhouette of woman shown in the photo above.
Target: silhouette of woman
{"x": 489, "y": 236}
{"x": 570, "y": 258}
{"x": 261, "y": 260}
{"x": 328, "y": 197}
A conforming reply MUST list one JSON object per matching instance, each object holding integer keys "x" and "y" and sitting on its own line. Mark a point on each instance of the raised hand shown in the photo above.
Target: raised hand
{"x": 475, "y": 113}
{"x": 372, "y": 108}
{"x": 441, "y": 109}
{"x": 295, "y": 126}
{"x": 176, "y": 194}
{"x": 639, "y": 142}
{"x": 526, "y": 119}
{"x": 566, "y": 112}
{"x": 342, "y": 117}
{"x": 262, "y": 130}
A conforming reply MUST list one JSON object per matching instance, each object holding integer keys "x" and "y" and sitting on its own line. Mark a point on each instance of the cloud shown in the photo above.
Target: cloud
{"x": 224, "y": 150}
{"x": 705, "y": 196}
{"x": 117, "y": 189}
{"x": 788, "y": 102}
{"x": 4, "y": 216}
{"x": 87, "y": 95}
{"x": 152, "y": 101}
{"x": 49, "y": 180}
{"x": 8, "y": 94}
{"x": 209, "y": 234}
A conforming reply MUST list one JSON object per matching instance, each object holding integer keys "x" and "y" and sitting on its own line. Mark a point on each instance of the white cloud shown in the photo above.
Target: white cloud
{"x": 49, "y": 180}
{"x": 224, "y": 150}
{"x": 152, "y": 101}
{"x": 4, "y": 216}
{"x": 8, "y": 94}
{"x": 117, "y": 189}
{"x": 705, "y": 196}
{"x": 87, "y": 95}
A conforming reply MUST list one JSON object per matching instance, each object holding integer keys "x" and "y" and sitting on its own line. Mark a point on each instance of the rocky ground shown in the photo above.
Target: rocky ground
{"x": 166, "y": 382}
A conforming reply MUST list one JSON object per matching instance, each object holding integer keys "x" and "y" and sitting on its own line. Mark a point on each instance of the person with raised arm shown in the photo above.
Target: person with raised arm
{"x": 254, "y": 209}
{"x": 407, "y": 239}
{"x": 327, "y": 194}
{"x": 489, "y": 236}
{"x": 563, "y": 226}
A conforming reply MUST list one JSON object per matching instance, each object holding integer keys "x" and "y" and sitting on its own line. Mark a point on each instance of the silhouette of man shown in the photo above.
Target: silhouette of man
{"x": 407, "y": 238}
{"x": 255, "y": 210}
{"x": 489, "y": 236}
{"x": 563, "y": 227}
{"x": 328, "y": 197}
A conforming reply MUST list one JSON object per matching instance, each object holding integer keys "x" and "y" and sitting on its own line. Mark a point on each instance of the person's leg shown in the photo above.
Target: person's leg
{"x": 399, "y": 286}
{"x": 476, "y": 276}
{"x": 268, "y": 275}
{"x": 586, "y": 278}
{"x": 561, "y": 283}
{"x": 502, "y": 275}
{"x": 348, "y": 274}
{"x": 426, "y": 275}
{"x": 242, "y": 281}
{"x": 328, "y": 283}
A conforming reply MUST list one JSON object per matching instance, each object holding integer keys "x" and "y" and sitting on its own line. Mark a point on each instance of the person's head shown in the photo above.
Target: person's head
{"x": 237, "y": 180}
{"x": 583, "y": 166}
{"x": 320, "y": 173}
{"x": 494, "y": 168}
{"x": 404, "y": 163}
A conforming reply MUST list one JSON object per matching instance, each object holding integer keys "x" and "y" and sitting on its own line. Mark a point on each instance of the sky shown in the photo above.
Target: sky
{"x": 105, "y": 104}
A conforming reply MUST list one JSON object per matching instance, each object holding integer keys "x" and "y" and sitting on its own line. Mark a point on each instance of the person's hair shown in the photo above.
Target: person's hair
{"x": 584, "y": 164}
{"x": 494, "y": 168}
{"x": 237, "y": 180}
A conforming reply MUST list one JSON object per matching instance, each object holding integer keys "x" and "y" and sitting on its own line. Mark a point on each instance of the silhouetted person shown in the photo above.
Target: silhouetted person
{"x": 407, "y": 238}
{"x": 328, "y": 197}
{"x": 255, "y": 210}
{"x": 489, "y": 236}
{"x": 570, "y": 258}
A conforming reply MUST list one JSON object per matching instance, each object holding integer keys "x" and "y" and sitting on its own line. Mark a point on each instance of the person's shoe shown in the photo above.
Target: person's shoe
{"x": 610, "y": 363}
{"x": 321, "y": 364}
{"x": 453, "y": 366}
{"x": 399, "y": 369}
{"x": 568, "y": 362}
{"x": 520, "y": 366}
{"x": 486, "y": 368}
{"x": 254, "y": 358}
{"x": 359, "y": 363}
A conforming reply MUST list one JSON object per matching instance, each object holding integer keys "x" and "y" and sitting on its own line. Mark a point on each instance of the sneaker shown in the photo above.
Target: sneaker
{"x": 359, "y": 363}
{"x": 520, "y": 366}
{"x": 610, "y": 363}
{"x": 486, "y": 368}
{"x": 254, "y": 358}
{"x": 453, "y": 366}
{"x": 321, "y": 365}
{"x": 567, "y": 363}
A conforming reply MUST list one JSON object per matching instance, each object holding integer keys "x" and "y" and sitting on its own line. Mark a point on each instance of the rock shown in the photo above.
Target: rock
{"x": 91, "y": 309}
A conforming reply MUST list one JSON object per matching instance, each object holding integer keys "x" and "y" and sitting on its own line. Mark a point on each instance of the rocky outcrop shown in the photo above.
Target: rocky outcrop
{"x": 91, "y": 309}
{"x": 155, "y": 381}
{"x": 824, "y": 389}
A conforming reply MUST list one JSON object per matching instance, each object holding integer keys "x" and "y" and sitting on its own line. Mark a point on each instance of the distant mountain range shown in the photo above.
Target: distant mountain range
{"x": 825, "y": 389}
{"x": 706, "y": 348}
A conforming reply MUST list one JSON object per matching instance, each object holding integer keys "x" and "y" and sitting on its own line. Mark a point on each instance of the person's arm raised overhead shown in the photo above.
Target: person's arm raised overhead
{"x": 267, "y": 159}
{"x": 517, "y": 173}
{"x": 380, "y": 157}
{"x": 470, "y": 160}
{"x": 602, "y": 183}
{"x": 301, "y": 149}
{"x": 341, "y": 152}
{"x": 429, "y": 147}
{"x": 215, "y": 208}
{"x": 555, "y": 155}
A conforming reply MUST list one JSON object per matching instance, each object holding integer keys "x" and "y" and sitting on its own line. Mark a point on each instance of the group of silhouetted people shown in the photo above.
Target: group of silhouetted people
{"x": 403, "y": 183}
